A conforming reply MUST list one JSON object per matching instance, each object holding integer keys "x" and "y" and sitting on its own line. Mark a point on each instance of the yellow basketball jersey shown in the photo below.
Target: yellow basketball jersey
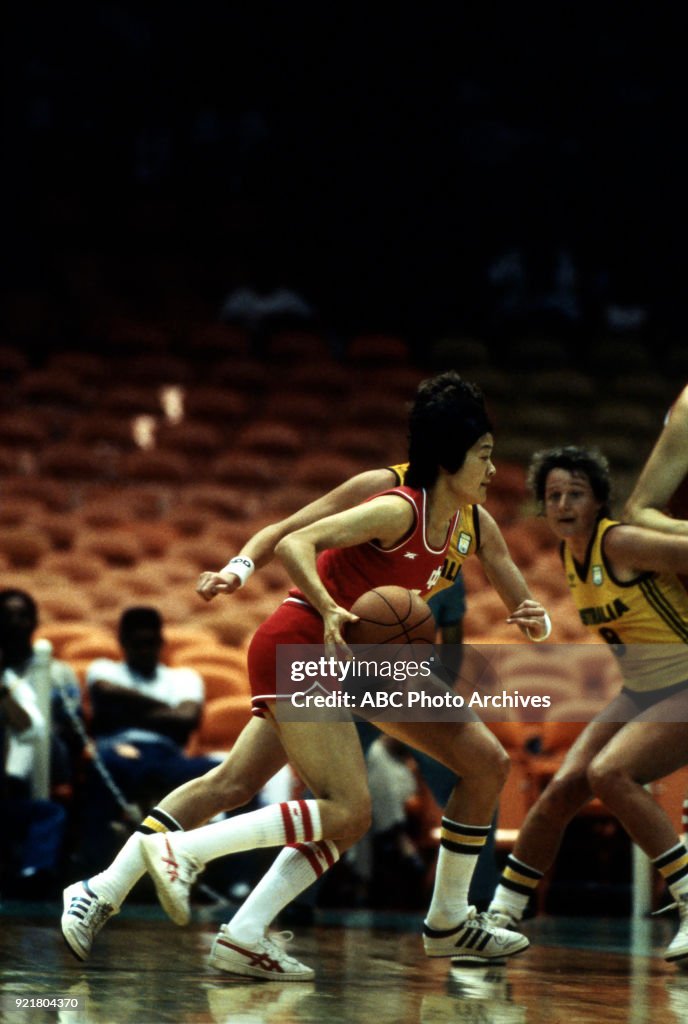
{"x": 465, "y": 540}
{"x": 650, "y": 609}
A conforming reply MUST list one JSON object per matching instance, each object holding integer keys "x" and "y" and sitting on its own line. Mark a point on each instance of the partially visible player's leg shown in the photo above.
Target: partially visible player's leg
{"x": 643, "y": 751}
{"x": 540, "y": 836}
{"x": 254, "y": 759}
{"x": 476, "y": 757}
{"x": 327, "y": 756}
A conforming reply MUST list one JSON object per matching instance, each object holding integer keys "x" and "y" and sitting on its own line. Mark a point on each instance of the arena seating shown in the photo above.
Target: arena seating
{"x": 92, "y": 521}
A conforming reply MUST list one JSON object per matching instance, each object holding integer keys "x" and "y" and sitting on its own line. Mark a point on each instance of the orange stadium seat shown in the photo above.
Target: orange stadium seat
{"x": 358, "y": 443}
{"x": 71, "y": 460}
{"x": 51, "y": 387}
{"x": 246, "y": 375}
{"x": 156, "y": 465}
{"x": 117, "y": 547}
{"x": 88, "y": 367}
{"x": 129, "y": 400}
{"x": 104, "y": 429}
{"x": 324, "y": 470}
{"x": 377, "y": 350}
{"x": 223, "y": 680}
{"x": 18, "y": 511}
{"x": 23, "y": 429}
{"x": 368, "y": 408}
{"x": 324, "y": 378}
{"x": 77, "y": 566}
{"x": 218, "y": 405}
{"x": 52, "y": 494}
{"x": 307, "y": 412}
{"x": 62, "y": 632}
{"x": 23, "y": 546}
{"x": 197, "y": 439}
{"x": 217, "y": 499}
{"x": 222, "y": 722}
{"x": 271, "y": 438}
{"x": 151, "y": 368}
{"x": 212, "y": 653}
{"x": 288, "y": 347}
{"x": 64, "y": 603}
{"x": 97, "y": 644}
{"x": 179, "y": 637}
{"x": 245, "y": 470}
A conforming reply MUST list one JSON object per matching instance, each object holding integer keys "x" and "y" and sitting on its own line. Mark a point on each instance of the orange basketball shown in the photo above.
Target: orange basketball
{"x": 391, "y": 615}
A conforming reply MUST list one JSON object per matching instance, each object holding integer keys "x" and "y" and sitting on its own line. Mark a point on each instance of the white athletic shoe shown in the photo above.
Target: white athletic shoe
{"x": 476, "y": 940}
{"x": 173, "y": 873}
{"x": 678, "y": 947}
{"x": 264, "y": 959}
{"x": 83, "y": 916}
{"x": 503, "y": 920}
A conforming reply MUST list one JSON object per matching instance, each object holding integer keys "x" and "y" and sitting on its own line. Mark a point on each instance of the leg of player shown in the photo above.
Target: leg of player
{"x": 453, "y": 928}
{"x": 540, "y": 835}
{"x": 256, "y": 756}
{"x": 328, "y": 758}
{"x": 642, "y": 752}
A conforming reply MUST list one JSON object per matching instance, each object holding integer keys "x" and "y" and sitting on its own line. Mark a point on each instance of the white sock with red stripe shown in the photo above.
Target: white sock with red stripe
{"x": 293, "y": 871}
{"x": 116, "y": 882}
{"x": 296, "y": 821}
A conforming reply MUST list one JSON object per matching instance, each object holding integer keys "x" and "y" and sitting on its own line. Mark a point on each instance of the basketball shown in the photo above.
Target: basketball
{"x": 391, "y": 615}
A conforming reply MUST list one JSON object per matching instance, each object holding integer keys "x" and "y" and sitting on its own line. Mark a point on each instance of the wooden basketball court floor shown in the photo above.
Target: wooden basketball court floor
{"x": 144, "y": 970}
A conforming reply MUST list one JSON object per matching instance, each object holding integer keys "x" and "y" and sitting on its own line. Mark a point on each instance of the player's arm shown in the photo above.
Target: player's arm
{"x": 260, "y": 549}
{"x": 636, "y": 549}
{"x": 664, "y": 470}
{"x": 385, "y": 519}
{"x": 506, "y": 578}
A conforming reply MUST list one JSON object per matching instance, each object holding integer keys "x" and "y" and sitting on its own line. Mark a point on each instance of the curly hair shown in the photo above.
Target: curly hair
{"x": 588, "y": 462}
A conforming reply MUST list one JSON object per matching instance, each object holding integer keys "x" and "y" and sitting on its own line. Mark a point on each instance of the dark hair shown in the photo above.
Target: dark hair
{"x": 590, "y": 462}
{"x": 12, "y": 592}
{"x": 447, "y": 417}
{"x": 139, "y": 618}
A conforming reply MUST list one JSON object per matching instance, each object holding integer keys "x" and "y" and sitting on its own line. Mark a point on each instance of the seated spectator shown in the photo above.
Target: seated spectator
{"x": 18, "y": 623}
{"x": 143, "y": 713}
{"x": 33, "y": 832}
{"x": 398, "y": 871}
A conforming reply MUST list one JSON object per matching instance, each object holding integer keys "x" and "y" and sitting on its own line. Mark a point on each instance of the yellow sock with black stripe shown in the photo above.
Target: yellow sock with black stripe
{"x": 116, "y": 882}
{"x": 460, "y": 846}
{"x": 517, "y": 884}
{"x": 673, "y": 866}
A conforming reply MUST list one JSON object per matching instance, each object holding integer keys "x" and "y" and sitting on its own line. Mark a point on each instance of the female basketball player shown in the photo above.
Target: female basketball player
{"x": 450, "y": 455}
{"x": 623, "y": 584}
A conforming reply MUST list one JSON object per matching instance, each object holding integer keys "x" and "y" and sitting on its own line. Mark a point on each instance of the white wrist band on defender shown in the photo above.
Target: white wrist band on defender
{"x": 545, "y": 635}
{"x": 242, "y": 566}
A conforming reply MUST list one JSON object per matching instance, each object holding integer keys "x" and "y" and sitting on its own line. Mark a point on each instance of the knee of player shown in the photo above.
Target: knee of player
{"x": 564, "y": 793}
{"x": 229, "y": 790}
{"x": 357, "y": 819}
{"x": 603, "y": 777}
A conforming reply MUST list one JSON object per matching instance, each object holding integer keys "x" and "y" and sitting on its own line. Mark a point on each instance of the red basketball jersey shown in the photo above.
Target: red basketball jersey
{"x": 349, "y": 572}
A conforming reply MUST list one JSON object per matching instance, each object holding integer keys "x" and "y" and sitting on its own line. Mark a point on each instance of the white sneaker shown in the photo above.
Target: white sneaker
{"x": 503, "y": 920}
{"x": 265, "y": 959}
{"x": 476, "y": 940}
{"x": 678, "y": 947}
{"x": 83, "y": 916}
{"x": 173, "y": 873}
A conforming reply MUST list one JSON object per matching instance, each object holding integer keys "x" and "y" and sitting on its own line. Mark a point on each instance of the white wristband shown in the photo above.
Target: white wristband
{"x": 545, "y": 635}
{"x": 242, "y": 566}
